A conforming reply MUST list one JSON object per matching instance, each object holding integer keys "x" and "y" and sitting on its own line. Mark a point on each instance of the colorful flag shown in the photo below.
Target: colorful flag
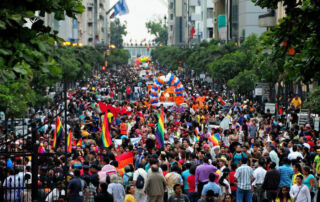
{"x": 57, "y": 133}
{"x": 121, "y": 8}
{"x": 79, "y": 142}
{"x": 160, "y": 130}
{"x": 220, "y": 100}
{"x": 69, "y": 143}
{"x": 124, "y": 159}
{"x": 41, "y": 150}
{"x": 196, "y": 131}
{"x": 192, "y": 33}
{"x": 106, "y": 138}
{"x": 214, "y": 139}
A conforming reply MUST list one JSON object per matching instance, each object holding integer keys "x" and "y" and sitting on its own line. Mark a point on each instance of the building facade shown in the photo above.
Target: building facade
{"x": 92, "y": 27}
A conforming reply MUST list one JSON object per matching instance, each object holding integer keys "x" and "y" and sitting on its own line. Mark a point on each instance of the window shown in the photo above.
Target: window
{"x": 171, "y": 27}
{"x": 171, "y": 16}
{"x": 210, "y": 32}
{"x": 209, "y": 13}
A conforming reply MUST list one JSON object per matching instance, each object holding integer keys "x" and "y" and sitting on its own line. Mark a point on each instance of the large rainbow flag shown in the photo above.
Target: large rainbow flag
{"x": 69, "y": 148}
{"x": 57, "y": 133}
{"x": 214, "y": 139}
{"x": 106, "y": 138}
{"x": 220, "y": 100}
{"x": 124, "y": 159}
{"x": 160, "y": 130}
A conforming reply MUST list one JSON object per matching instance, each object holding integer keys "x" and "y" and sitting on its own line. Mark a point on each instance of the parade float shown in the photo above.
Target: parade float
{"x": 173, "y": 95}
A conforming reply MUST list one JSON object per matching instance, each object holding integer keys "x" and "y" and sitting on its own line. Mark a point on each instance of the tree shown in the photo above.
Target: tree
{"x": 297, "y": 38}
{"x": 118, "y": 31}
{"x": 313, "y": 102}
{"x": 244, "y": 81}
{"x": 159, "y": 30}
{"x": 25, "y": 63}
{"x": 118, "y": 57}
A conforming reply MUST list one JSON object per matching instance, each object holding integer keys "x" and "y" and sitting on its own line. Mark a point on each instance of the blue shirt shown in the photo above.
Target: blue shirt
{"x": 211, "y": 186}
{"x": 244, "y": 174}
{"x": 286, "y": 173}
{"x": 185, "y": 175}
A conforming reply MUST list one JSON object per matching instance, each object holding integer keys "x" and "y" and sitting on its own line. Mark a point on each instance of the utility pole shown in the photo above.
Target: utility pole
{"x": 34, "y": 163}
{"x": 95, "y": 20}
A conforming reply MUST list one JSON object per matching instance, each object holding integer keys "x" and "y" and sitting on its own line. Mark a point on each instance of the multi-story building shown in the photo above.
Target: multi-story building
{"x": 178, "y": 23}
{"x": 185, "y": 15}
{"x": 90, "y": 28}
{"x": 236, "y": 19}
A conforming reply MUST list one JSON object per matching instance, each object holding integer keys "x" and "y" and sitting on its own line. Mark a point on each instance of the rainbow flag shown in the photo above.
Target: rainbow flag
{"x": 69, "y": 143}
{"x": 214, "y": 139}
{"x": 57, "y": 133}
{"x": 220, "y": 100}
{"x": 124, "y": 159}
{"x": 160, "y": 130}
{"x": 106, "y": 138}
{"x": 79, "y": 143}
{"x": 196, "y": 131}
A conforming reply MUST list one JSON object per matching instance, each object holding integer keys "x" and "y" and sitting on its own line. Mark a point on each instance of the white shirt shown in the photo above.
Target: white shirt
{"x": 303, "y": 195}
{"x": 294, "y": 155}
{"x": 144, "y": 174}
{"x": 259, "y": 175}
{"x": 274, "y": 158}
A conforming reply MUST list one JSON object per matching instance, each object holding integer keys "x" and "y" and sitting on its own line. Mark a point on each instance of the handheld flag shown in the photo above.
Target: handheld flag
{"x": 79, "y": 143}
{"x": 220, "y": 100}
{"x": 41, "y": 150}
{"x": 160, "y": 130}
{"x": 57, "y": 133}
{"x": 124, "y": 159}
{"x": 214, "y": 139}
{"x": 106, "y": 138}
{"x": 69, "y": 143}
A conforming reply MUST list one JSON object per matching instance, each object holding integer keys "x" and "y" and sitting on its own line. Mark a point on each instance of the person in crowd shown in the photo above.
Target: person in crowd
{"x": 178, "y": 195}
{"x": 130, "y": 194}
{"x": 284, "y": 195}
{"x": 116, "y": 189}
{"x": 286, "y": 173}
{"x": 259, "y": 175}
{"x": 139, "y": 181}
{"x": 155, "y": 185}
{"x": 202, "y": 173}
{"x": 300, "y": 192}
{"x": 211, "y": 185}
{"x": 244, "y": 176}
{"x": 271, "y": 182}
{"x": 103, "y": 194}
{"x": 77, "y": 188}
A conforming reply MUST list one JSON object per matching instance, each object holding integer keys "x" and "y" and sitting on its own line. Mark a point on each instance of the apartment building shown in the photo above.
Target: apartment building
{"x": 92, "y": 27}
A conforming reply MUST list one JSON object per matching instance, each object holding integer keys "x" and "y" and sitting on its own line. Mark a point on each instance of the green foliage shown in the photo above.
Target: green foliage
{"x": 159, "y": 30}
{"x": 300, "y": 30}
{"x": 313, "y": 102}
{"x": 118, "y": 31}
{"x": 118, "y": 57}
{"x": 244, "y": 81}
{"x": 26, "y": 66}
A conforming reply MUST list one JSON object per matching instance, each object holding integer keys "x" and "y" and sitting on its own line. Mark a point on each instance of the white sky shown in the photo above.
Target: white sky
{"x": 141, "y": 11}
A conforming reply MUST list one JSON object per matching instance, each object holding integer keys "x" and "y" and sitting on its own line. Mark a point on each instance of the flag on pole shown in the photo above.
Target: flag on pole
{"x": 220, "y": 100}
{"x": 121, "y": 8}
{"x": 160, "y": 130}
{"x": 69, "y": 143}
{"x": 57, "y": 133}
{"x": 192, "y": 33}
{"x": 106, "y": 138}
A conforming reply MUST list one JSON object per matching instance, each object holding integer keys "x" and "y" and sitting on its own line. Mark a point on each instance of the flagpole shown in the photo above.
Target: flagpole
{"x": 111, "y": 8}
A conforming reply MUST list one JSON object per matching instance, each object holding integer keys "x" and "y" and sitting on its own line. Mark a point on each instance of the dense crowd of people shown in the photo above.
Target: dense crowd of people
{"x": 259, "y": 156}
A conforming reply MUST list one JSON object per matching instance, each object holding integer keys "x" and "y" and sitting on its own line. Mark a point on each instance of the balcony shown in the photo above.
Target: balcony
{"x": 268, "y": 19}
{"x": 90, "y": 4}
{"x": 209, "y": 3}
{"x": 195, "y": 17}
{"x": 209, "y": 23}
{"x": 193, "y": 3}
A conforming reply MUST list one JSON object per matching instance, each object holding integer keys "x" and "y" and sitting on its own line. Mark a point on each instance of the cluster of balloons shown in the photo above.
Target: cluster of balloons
{"x": 170, "y": 79}
{"x": 142, "y": 60}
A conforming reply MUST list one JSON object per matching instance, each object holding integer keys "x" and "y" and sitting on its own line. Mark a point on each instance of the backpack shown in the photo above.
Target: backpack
{"x": 140, "y": 182}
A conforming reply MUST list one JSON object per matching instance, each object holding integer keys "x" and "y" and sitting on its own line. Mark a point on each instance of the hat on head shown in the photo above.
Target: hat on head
{"x": 206, "y": 146}
{"x": 308, "y": 125}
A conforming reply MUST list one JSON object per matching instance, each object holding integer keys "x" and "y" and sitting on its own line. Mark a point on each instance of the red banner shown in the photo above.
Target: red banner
{"x": 124, "y": 159}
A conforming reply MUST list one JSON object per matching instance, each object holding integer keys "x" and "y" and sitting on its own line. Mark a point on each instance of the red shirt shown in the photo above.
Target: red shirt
{"x": 192, "y": 183}
{"x": 232, "y": 181}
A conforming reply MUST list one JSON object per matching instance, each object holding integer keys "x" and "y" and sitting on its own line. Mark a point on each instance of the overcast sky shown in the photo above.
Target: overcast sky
{"x": 141, "y": 11}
